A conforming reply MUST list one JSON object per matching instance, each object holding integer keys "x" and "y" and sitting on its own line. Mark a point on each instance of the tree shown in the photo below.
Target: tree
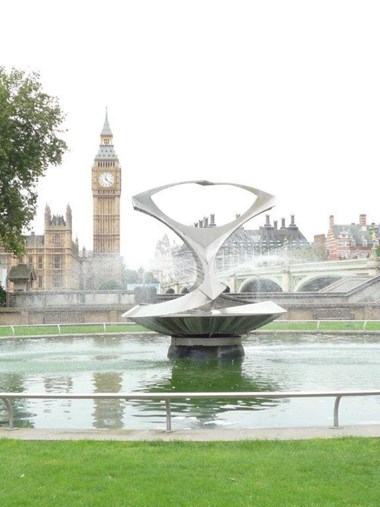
{"x": 130, "y": 276}
{"x": 30, "y": 123}
{"x": 3, "y": 296}
{"x": 150, "y": 278}
{"x": 110, "y": 285}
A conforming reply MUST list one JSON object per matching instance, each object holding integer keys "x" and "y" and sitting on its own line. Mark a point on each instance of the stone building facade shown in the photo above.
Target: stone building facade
{"x": 53, "y": 255}
{"x": 175, "y": 267}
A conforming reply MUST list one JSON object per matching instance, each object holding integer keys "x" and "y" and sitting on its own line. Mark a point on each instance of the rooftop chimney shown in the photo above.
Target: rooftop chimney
{"x": 282, "y": 223}
{"x": 275, "y": 224}
{"x": 212, "y": 220}
{"x": 363, "y": 220}
{"x": 331, "y": 221}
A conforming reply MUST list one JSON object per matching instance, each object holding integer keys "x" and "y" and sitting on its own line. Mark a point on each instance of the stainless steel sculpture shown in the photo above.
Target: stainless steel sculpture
{"x": 191, "y": 319}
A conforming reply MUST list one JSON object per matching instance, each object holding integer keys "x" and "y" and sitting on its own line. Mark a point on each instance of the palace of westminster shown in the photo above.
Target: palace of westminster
{"x": 55, "y": 262}
{"x": 54, "y": 258}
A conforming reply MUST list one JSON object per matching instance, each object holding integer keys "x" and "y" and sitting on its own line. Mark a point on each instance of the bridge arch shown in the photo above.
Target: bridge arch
{"x": 260, "y": 285}
{"x": 317, "y": 282}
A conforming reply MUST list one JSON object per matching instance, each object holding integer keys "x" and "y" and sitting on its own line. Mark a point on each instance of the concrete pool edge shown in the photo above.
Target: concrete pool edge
{"x": 296, "y": 433}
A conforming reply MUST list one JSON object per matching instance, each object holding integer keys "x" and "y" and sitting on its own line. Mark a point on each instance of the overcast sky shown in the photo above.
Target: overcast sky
{"x": 279, "y": 95}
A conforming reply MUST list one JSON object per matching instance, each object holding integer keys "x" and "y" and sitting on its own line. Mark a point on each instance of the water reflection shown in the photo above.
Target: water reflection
{"x": 108, "y": 341}
{"x": 58, "y": 384}
{"x": 108, "y": 413}
{"x": 14, "y": 383}
{"x": 210, "y": 376}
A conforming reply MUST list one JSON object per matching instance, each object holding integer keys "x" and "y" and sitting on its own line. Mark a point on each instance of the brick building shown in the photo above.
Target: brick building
{"x": 351, "y": 241}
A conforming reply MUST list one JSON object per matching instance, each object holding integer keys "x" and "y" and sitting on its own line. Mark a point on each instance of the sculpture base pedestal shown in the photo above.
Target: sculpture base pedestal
{"x": 206, "y": 348}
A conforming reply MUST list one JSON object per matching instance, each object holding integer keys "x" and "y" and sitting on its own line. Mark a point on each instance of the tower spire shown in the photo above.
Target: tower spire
{"x": 106, "y": 127}
{"x": 106, "y": 149}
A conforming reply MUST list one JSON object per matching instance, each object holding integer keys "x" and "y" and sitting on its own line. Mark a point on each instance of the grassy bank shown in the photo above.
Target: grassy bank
{"x": 339, "y": 472}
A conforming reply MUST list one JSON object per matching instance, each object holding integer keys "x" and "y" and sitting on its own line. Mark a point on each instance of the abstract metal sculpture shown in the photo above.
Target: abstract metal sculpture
{"x": 190, "y": 319}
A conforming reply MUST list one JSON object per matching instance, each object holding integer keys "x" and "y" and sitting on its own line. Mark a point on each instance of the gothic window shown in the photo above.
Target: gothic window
{"x": 57, "y": 262}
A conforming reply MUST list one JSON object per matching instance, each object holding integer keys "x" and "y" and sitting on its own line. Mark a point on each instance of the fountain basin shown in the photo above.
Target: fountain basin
{"x": 226, "y": 322}
{"x": 215, "y": 333}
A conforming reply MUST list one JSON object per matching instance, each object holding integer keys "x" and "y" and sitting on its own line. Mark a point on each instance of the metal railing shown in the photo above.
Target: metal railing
{"x": 278, "y": 326}
{"x": 168, "y": 397}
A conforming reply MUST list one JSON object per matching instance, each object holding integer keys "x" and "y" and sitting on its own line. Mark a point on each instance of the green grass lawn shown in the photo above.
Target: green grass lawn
{"x": 279, "y": 325}
{"x": 295, "y": 325}
{"x": 338, "y": 472}
{"x": 69, "y": 329}
{"x": 324, "y": 325}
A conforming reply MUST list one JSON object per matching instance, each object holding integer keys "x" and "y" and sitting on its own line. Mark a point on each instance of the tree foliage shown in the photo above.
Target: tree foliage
{"x": 30, "y": 125}
{"x": 3, "y": 296}
{"x": 131, "y": 276}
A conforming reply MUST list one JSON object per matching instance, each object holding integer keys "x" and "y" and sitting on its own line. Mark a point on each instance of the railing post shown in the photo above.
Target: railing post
{"x": 10, "y": 413}
{"x": 168, "y": 415}
{"x": 336, "y": 412}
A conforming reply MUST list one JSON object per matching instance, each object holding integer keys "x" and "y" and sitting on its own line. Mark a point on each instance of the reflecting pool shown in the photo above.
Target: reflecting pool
{"x": 139, "y": 363}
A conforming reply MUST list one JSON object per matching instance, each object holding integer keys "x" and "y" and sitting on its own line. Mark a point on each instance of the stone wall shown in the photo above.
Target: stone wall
{"x": 82, "y": 298}
{"x": 108, "y": 306}
{"x": 33, "y": 316}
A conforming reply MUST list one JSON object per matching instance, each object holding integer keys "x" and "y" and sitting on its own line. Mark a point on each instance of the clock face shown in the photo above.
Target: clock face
{"x": 106, "y": 179}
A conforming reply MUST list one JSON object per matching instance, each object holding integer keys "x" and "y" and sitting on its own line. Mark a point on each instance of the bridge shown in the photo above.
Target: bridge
{"x": 300, "y": 277}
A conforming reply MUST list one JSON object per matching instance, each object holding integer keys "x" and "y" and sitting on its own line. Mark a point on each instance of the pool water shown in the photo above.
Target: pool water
{"x": 138, "y": 363}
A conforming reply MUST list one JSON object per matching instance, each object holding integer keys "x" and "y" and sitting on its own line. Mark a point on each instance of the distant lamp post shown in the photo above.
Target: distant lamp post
{"x": 375, "y": 242}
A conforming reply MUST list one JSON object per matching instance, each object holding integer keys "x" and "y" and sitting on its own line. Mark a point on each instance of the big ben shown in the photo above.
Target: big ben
{"x": 106, "y": 191}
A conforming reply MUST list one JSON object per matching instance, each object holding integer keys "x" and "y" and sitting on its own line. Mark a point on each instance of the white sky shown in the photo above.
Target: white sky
{"x": 279, "y": 95}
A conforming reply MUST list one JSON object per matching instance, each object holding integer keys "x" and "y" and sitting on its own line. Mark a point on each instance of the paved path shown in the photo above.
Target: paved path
{"x": 193, "y": 435}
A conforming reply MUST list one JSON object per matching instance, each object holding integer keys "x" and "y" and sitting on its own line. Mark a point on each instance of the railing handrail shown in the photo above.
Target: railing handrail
{"x": 167, "y": 397}
{"x": 181, "y": 395}
{"x": 282, "y": 322}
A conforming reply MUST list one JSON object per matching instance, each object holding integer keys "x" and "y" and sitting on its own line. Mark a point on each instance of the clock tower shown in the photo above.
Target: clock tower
{"x": 106, "y": 190}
